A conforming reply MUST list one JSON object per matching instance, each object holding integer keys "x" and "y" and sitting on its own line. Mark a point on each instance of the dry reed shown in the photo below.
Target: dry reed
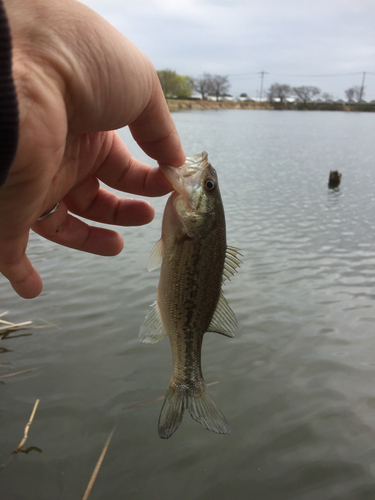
{"x": 25, "y": 436}
{"x": 98, "y": 465}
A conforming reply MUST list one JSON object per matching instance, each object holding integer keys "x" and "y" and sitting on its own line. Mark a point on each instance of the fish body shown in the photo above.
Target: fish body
{"x": 194, "y": 261}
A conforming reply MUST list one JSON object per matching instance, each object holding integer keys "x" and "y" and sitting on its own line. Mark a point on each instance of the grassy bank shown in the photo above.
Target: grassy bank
{"x": 182, "y": 104}
{"x": 186, "y": 104}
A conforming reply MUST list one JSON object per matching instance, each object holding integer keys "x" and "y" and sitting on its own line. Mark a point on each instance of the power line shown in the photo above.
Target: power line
{"x": 322, "y": 75}
{"x": 305, "y": 75}
{"x": 245, "y": 74}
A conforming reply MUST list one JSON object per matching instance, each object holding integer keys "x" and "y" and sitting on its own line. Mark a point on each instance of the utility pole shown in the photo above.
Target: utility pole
{"x": 262, "y": 73}
{"x": 362, "y": 87}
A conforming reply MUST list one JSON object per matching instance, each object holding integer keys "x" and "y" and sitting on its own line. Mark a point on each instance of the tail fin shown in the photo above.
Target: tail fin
{"x": 172, "y": 412}
{"x": 201, "y": 405}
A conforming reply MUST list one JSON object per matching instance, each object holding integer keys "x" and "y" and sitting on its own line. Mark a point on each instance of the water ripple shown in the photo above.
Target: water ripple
{"x": 296, "y": 383}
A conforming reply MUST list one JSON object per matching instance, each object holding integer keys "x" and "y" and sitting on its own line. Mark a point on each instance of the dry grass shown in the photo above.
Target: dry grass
{"x": 9, "y": 326}
{"x": 25, "y": 436}
{"x": 186, "y": 104}
{"x": 6, "y": 328}
{"x": 98, "y": 465}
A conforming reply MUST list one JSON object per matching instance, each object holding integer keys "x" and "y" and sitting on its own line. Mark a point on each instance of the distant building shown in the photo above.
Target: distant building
{"x": 258, "y": 99}
{"x": 225, "y": 97}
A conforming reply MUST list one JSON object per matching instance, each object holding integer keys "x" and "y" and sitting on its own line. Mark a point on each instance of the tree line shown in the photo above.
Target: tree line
{"x": 307, "y": 93}
{"x": 182, "y": 86}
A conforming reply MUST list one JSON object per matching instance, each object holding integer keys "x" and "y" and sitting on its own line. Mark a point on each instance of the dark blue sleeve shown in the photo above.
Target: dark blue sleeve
{"x": 9, "y": 122}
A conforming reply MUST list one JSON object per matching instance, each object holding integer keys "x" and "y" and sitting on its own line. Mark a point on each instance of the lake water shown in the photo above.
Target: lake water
{"x": 297, "y": 384}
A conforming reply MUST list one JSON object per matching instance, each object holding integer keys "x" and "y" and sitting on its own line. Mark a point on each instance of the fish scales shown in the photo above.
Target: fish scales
{"x": 194, "y": 262}
{"x": 179, "y": 285}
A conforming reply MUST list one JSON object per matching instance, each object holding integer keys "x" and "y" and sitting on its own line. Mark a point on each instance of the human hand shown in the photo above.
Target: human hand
{"x": 77, "y": 80}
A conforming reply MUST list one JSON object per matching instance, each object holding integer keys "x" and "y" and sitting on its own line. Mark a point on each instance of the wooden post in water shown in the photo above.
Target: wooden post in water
{"x": 334, "y": 179}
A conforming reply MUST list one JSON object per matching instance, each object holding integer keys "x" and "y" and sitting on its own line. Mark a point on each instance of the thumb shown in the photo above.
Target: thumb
{"x": 17, "y": 268}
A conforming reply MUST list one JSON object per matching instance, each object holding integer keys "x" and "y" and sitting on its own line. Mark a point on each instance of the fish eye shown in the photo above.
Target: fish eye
{"x": 210, "y": 184}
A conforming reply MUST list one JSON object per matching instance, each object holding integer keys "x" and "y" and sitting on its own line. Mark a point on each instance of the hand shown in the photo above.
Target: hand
{"x": 78, "y": 79}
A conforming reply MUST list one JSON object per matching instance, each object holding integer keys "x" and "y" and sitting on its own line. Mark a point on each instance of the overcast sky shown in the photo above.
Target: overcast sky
{"x": 298, "y": 42}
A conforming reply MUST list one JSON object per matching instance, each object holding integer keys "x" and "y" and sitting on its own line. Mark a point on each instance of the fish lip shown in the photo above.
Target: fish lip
{"x": 177, "y": 176}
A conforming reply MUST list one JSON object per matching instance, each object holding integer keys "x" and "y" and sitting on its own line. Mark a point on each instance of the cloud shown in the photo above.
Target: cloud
{"x": 237, "y": 37}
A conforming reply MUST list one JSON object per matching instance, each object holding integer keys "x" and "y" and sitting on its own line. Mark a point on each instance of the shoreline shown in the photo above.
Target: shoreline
{"x": 187, "y": 104}
{"x": 197, "y": 104}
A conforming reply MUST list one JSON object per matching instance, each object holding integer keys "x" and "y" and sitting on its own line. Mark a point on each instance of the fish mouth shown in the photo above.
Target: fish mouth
{"x": 193, "y": 165}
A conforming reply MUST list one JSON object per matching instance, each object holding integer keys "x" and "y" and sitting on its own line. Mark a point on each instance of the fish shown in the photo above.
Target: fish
{"x": 195, "y": 261}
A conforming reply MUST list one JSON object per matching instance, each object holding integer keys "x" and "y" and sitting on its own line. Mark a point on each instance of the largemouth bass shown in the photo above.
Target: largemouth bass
{"x": 195, "y": 260}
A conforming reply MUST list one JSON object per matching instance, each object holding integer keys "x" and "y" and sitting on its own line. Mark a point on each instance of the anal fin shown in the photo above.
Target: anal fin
{"x": 152, "y": 329}
{"x": 224, "y": 320}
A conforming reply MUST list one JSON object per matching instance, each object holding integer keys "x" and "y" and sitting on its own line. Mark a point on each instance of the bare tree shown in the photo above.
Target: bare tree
{"x": 279, "y": 91}
{"x": 216, "y": 85}
{"x": 350, "y": 94}
{"x": 203, "y": 84}
{"x": 306, "y": 92}
{"x": 219, "y": 86}
{"x": 355, "y": 93}
{"x": 326, "y": 96}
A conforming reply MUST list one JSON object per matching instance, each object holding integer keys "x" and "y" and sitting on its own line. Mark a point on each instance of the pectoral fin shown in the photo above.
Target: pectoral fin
{"x": 152, "y": 329}
{"x": 156, "y": 256}
{"x": 224, "y": 320}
